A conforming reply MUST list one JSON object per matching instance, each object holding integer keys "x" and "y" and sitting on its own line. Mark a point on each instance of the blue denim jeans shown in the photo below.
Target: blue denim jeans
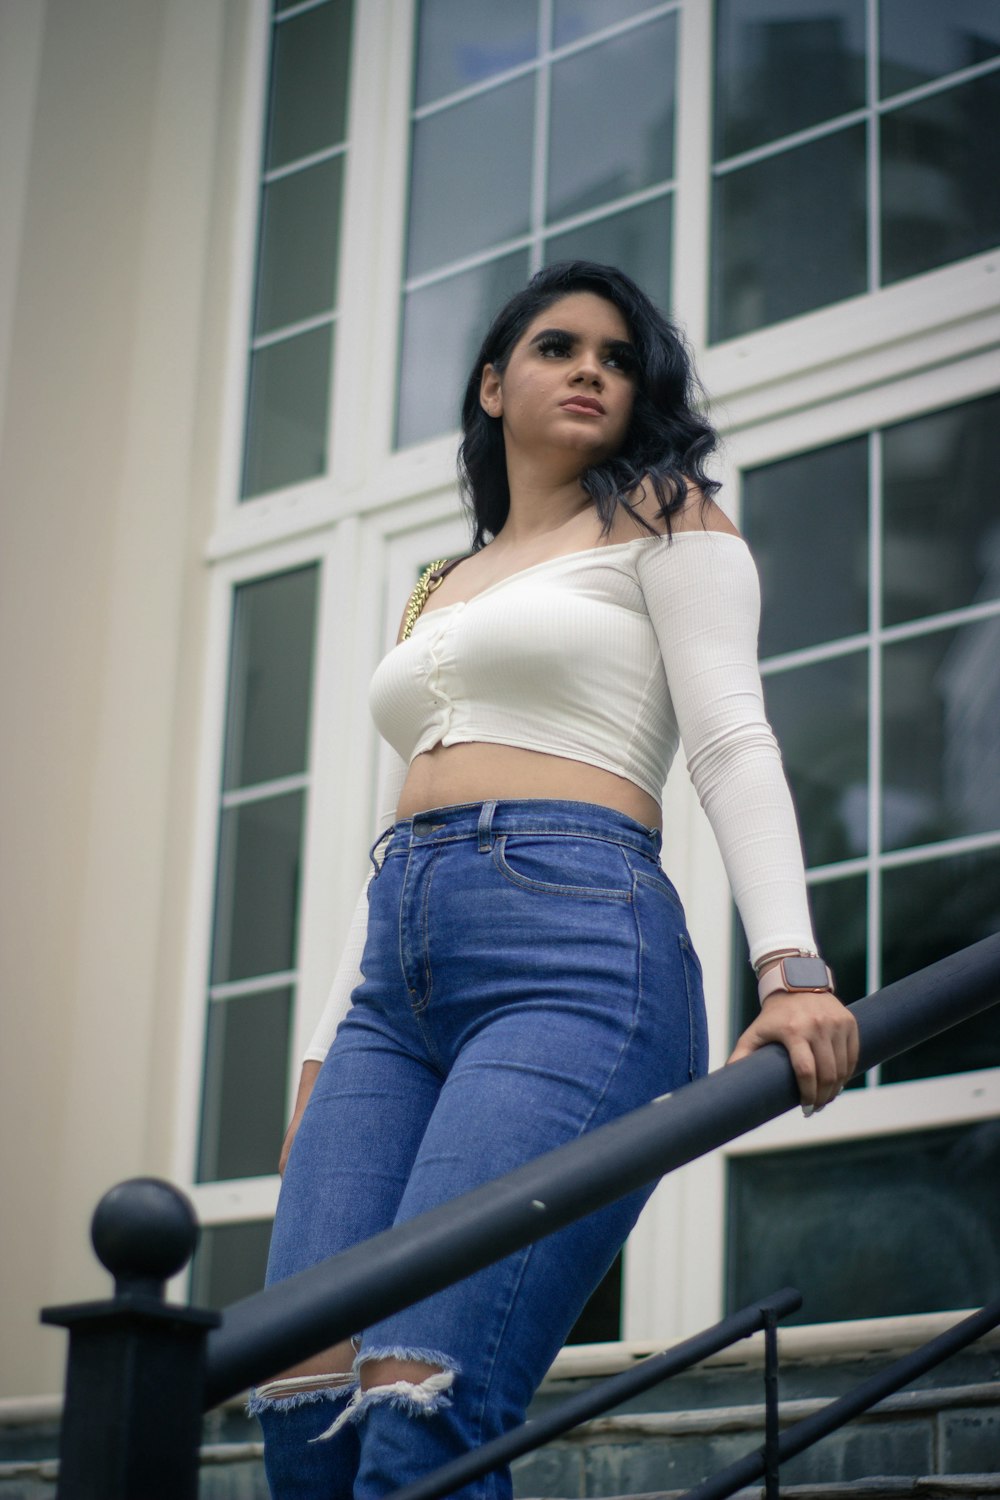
{"x": 528, "y": 976}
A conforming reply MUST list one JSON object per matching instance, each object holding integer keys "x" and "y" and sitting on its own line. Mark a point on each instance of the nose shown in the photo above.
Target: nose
{"x": 589, "y": 370}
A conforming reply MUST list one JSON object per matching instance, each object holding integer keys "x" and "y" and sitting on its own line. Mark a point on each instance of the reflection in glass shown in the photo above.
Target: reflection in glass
{"x": 443, "y": 326}
{"x": 574, "y": 19}
{"x": 310, "y": 62}
{"x": 269, "y": 681}
{"x": 924, "y": 39}
{"x": 941, "y": 546}
{"x": 246, "y": 1077}
{"x": 300, "y": 234}
{"x": 229, "y": 1263}
{"x": 941, "y": 178}
{"x": 781, "y": 67}
{"x": 806, "y": 519}
{"x": 787, "y": 1208}
{"x": 788, "y": 234}
{"x": 929, "y": 911}
{"x": 464, "y": 42}
{"x": 941, "y": 735}
{"x": 465, "y": 198}
{"x": 287, "y": 411}
{"x": 256, "y": 904}
{"x": 840, "y": 924}
{"x": 820, "y": 717}
{"x": 592, "y": 159}
{"x": 637, "y": 242}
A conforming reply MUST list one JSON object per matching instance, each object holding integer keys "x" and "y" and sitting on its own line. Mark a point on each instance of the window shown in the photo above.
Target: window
{"x": 518, "y": 158}
{"x": 855, "y": 145}
{"x": 294, "y": 319}
{"x": 880, "y": 565}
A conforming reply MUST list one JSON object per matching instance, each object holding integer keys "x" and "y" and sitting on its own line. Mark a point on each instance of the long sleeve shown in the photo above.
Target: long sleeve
{"x": 703, "y": 597}
{"x": 348, "y": 973}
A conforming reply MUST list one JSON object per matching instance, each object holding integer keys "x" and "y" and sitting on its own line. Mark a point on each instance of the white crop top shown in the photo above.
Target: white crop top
{"x": 610, "y": 656}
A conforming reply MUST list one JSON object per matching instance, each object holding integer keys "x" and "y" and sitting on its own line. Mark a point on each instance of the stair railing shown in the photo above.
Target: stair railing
{"x": 136, "y": 1351}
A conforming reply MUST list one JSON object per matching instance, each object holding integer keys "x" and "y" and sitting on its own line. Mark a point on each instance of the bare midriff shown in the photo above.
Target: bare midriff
{"x": 450, "y": 775}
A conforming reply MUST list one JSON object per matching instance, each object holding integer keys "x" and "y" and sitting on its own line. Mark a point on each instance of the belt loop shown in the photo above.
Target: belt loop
{"x": 486, "y": 826}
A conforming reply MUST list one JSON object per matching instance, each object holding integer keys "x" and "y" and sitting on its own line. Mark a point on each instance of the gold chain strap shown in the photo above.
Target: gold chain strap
{"x": 426, "y": 584}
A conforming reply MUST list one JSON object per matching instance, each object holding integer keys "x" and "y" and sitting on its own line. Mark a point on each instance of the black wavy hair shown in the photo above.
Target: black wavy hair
{"x": 667, "y": 442}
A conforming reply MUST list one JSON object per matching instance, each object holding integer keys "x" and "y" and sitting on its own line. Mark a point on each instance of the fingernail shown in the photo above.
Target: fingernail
{"x": 808, "y": 1109}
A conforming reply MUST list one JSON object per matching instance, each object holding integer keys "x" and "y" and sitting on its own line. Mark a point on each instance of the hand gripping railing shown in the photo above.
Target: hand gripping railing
{"x": 297, "y": 1318}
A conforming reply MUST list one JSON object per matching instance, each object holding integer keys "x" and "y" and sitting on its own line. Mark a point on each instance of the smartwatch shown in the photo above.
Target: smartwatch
{"x": 796, "y": 973}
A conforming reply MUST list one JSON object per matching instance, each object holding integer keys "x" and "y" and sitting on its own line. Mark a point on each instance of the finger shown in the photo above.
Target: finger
{"x": 828, "y": 1075}
{"x": 804, "y": 1064}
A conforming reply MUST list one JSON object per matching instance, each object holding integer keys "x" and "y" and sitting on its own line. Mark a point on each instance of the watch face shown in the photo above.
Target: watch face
{"x": 806, "y": 973}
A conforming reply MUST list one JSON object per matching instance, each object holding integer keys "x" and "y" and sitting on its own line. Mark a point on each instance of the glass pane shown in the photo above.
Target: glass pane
{"x": 229, "y": 1263}
{"x": 789, "y": 234}
{"x": 443, "y": 327}
{"x": 923, "y": 39}
{"x": 806, "y": 519}
{"x": 875, "y": 1201}
{"x": 820, "y": 716}
{"x": 256, "y": 902}
{"x": 310, "y": 64}
{"x": 573, "y": 19}
{"x": 929, "y": 911}
{"x": 243, "y": 1114}
{"x": 595, "y": 152}
{"x": 783, "y": 65}
{"x": 461, "y": 200}
{"x": 941, "y": 735}
{"x": 269, "y": 680}
{"x": 840, "y": 922}
{"x": 637, "y": 242}
{"x": 463, "y": 42}
{"x": 941, "y": 547}
{"x": 941, "y": 179}
{"x": 288, "y": 411}
{"x": 300, "y": 234}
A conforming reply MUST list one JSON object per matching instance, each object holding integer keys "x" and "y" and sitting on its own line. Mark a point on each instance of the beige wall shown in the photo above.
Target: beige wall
{"x": 119, "y": 131}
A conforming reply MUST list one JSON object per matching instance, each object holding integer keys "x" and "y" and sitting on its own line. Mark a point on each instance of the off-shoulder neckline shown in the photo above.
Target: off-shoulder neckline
{"x": 562, "y": 557}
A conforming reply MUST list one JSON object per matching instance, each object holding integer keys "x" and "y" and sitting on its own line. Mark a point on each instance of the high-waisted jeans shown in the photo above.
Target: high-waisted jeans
{"x": 528, "y": 976}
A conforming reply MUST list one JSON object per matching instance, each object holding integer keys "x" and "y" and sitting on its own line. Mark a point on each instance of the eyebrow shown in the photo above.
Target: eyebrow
{"x": 611, "y": 346}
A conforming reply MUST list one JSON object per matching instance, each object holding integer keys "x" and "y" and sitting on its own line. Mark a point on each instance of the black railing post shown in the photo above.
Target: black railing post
{"x": 135, "y": 1371}
{"x": 770, "y": 1402}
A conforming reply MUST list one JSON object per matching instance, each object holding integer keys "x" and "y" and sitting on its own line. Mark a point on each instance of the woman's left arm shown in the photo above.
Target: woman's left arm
{"x": 703, "y": 598}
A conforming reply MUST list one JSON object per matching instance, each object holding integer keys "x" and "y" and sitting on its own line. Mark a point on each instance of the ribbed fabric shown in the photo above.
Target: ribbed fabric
{"x": 610, "y": 656}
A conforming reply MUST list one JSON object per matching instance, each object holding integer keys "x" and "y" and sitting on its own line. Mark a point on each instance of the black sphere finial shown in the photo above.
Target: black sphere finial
{"x": 144, "y": 1231}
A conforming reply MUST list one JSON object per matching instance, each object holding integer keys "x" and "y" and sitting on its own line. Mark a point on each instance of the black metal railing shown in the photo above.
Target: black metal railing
{"x": 105, "y": 1453}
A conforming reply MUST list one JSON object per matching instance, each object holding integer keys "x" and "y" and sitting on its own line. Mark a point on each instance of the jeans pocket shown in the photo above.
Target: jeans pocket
{"x": 560, "y": 865}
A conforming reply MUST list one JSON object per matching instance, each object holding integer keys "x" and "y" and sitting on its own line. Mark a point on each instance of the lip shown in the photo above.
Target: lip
{"x": 586, "y": 404}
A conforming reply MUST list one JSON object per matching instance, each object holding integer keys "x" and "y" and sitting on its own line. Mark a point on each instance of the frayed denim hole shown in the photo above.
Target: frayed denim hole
{"x": 417, "y": 1398}
{"x": 405, "y": 1353}
{"x": 287, "y": 1401}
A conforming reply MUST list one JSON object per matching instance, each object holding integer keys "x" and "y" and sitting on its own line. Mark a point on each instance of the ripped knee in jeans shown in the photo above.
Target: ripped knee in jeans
{"x": 417, "y": 1397}
{"x": 300, "y": 1390}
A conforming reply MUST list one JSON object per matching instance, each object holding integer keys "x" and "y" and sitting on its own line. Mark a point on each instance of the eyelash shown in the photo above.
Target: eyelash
{"x": 555, "y": 345}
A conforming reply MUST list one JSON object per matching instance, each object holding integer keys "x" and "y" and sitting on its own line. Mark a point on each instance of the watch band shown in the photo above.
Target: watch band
{"x": 796, "y": 974}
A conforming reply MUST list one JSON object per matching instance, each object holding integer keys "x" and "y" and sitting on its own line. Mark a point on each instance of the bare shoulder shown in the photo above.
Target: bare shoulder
{"x": 701, "y": 514}
{"x": 696, "y": 514}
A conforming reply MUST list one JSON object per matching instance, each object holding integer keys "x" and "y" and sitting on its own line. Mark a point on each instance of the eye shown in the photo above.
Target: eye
{"x": 622, "y": 359}
{"x": 553, "y": 346}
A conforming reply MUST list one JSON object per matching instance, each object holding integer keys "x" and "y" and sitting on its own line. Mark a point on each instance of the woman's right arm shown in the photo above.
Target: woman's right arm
{"x": 348, "y": 974}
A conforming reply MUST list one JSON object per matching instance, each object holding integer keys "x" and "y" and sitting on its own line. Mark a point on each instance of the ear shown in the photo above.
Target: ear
{"x": 491, "y": 392}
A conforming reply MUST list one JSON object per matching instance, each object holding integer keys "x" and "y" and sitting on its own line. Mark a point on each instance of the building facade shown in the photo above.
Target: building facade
{"x": 248, "y": 254}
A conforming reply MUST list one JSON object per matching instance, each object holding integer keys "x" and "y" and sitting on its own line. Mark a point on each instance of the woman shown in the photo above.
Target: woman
{"x": 527, "y": 972}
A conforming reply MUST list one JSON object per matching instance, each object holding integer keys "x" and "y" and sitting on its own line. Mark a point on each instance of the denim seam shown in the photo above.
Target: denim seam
{"x": 623, "y": 840}
{"x": 687, "y": 954}
{"x": 550, "y": 888}
{"x": 424, "y": 1000}
{"x": 662, "y": 887}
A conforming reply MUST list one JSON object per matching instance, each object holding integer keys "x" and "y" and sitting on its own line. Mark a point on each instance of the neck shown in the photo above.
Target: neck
{"x": 541, "y": 502}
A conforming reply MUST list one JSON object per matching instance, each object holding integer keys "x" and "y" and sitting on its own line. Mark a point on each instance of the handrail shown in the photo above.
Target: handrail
{"x": 296, "y": 1318}
{"x": 861, "y": 1398}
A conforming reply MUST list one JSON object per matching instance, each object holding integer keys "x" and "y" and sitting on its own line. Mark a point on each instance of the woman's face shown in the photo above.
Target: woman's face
{"x": 570, "y": 381}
